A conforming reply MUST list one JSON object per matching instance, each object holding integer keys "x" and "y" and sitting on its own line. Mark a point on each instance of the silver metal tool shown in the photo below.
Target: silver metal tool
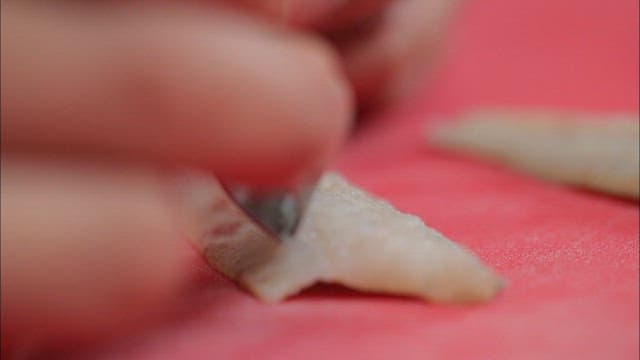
{"x": 277, "y": 211}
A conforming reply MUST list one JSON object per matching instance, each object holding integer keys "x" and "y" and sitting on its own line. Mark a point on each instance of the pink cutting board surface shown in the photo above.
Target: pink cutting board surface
{"x": 570, "y": 256}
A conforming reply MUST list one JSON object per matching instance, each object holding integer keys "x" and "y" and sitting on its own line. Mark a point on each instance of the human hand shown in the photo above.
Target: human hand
{"x": 386, "y": 47}
{"x": 99, "y": 100}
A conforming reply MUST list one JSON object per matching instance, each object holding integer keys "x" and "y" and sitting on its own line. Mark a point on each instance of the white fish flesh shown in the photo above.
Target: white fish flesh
{"x": 600, "y": 152}
{"x": 346, "y": 237}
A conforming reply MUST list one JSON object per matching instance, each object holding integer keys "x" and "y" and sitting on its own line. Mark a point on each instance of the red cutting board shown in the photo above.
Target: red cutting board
{"x": 570, "y": 256}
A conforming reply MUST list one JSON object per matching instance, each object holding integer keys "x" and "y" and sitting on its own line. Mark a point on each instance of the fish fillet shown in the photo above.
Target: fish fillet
{"x": 593, "y": 151}
{"x": 346, "y": 237}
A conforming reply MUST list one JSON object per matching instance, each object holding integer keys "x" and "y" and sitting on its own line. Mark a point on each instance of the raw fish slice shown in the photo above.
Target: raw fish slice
{"x": 346, "y": 237}
{"x": 593, "y": 151}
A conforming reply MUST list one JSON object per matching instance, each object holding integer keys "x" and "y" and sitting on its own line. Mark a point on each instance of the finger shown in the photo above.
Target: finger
{"x": 274, "y": 10}
{"x": 387, "y": 58}
{"x": 87, "y": 251}
{"x": 332, "y": 15}
{"x": 217, "y": 90}
{"x": 322, "y": 15}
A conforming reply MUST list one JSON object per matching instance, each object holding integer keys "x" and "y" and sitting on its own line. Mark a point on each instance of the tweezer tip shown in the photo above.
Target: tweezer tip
{"x": 277, "y": 212}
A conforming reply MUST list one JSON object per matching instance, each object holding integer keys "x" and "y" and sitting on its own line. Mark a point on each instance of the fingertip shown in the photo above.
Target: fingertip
{"x": 331, "y": 95}
{"x": 274, "y": 105}
{"x": 218, "y": 90}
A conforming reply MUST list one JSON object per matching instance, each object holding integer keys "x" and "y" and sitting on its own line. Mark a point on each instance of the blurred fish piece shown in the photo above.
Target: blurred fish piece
{"x": 346, "y": 237}
{"x": 599, "y": 152}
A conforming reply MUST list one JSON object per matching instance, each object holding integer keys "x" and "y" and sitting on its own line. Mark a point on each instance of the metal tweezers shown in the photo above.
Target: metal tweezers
{"x": 279, "y": 212}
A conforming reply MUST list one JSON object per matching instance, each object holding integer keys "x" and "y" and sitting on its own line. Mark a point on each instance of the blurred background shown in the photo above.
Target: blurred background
{"x": 571, "y": 54}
